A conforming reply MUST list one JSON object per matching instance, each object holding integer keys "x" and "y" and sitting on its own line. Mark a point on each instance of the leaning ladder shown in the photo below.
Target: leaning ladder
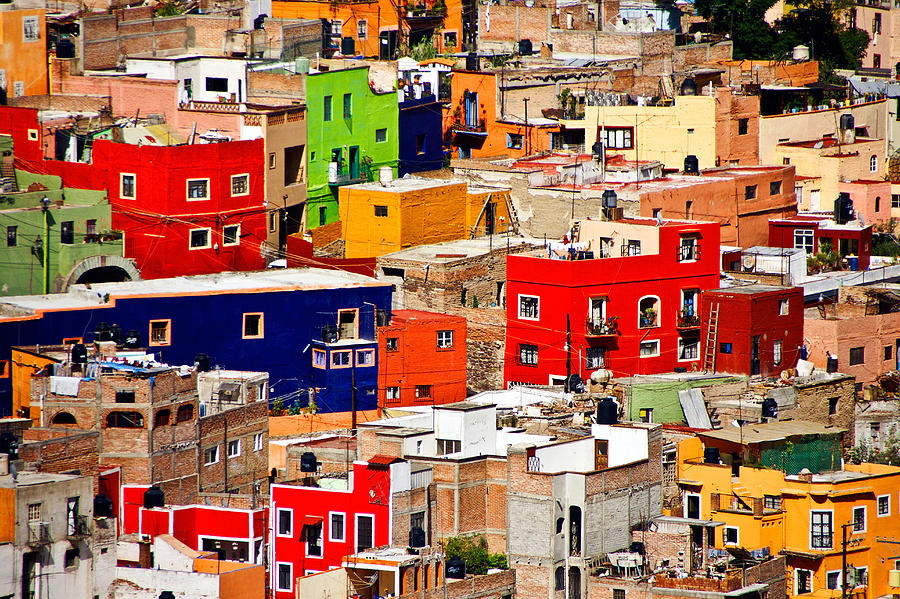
{"x": 712, "y": 334}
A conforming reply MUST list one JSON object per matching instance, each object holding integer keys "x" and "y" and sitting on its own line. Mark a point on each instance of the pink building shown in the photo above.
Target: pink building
{"x": 871, "y": 200}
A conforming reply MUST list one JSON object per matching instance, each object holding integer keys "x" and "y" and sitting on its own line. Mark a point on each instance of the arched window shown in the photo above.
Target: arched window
{"x": 125, "y": 420}
{"x": 162, "y": 418}
{"x": 560, "y": 579}
{"x": 574, "y": 530}
{"x": 648, "y": 312}
{"x": 574, "y": 582}
{"x": 63, "y": 418}
{"x": 873, "y": 163}
{"x": 185, "y": 413}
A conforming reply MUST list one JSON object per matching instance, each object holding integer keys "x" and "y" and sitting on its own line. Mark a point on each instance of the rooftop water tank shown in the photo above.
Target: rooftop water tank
{"x": 455, "y": 568}
{"x": 689, "y": 87}
{"x": 132, "y": 339}
{"x": 201, "y": 361}
{"x": 691, "y": 165}
{"x": 607, "y": 411}
{"x": 308, "y": 462}
{"x": 103, "y": 506}
{"x": 154, "y": 497}
{"x": 800, "y": 52}
{"x": 79, "y": 353}
{"x": 711, "y": 455}
{"x": 65, "y": 48}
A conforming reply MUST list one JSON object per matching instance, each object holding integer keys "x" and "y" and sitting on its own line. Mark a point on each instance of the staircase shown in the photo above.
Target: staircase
{"x": 712, "y": 335}
{"x": 8, "y": 175}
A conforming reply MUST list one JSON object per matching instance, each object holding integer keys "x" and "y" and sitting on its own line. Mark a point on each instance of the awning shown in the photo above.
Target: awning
{"x": 311, "y": 521}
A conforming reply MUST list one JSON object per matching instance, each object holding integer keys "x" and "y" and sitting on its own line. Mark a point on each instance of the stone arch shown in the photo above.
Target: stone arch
{"x": 63, "y": 418}
{"x": 117, "y": 267}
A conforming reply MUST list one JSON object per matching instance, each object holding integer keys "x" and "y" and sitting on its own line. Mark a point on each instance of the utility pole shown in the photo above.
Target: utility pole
{"x": 568, "y": 352}
{"x": 526, "y": 127}
{"x": 45, "y": 207}
{"x": 353, "y": 395}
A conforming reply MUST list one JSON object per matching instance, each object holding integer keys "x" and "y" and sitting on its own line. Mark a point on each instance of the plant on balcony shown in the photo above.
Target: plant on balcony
{"x": 687, "y": 318}
{"x": 648, "y": 318}
{"x": 438, "y": 8}
{"x": 610, "y": 326}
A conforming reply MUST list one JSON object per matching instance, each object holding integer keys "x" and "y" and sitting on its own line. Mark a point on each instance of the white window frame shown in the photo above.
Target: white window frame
{"x": 208, "y": 462}
{"x": 258, "y": 442}
{"x": 811, "y": 512}
{"x": 290, "y": 567}
{"x": 865, "y": 519}
{"x": 873, "y": 163}
{"x": 839, "y": 580}
{"x": 806, "y": 238}
{"x": 392, "y": 392}
{"x": 234, "y": 443}
{"x": 737, "y": 531}
{"x": 654, "y": 355}
{"x": 699, "y": 503}
{"x": 290, "y": 533}
{"x": 331, "y": 537}
{"x": 877, "y": 511}
{"x": 595, "y": 362}
{"x": 133, "y": 186}
{"x": 362, "y": 29}
{"x": 682, "y": 345}
{"x": 187, "y": 189}
{"x": 797, "y": 581}
{"x": 777, "y": 356}
{"x": 237, "y": 236}
{"x": 445, "y": 339}
{"x": 245, "y": 193}
{"x": 208, "y": 245}
{"x": 784, "y": 307}
{"x": 537, "y": 308}
{"x": 356, "y": 530}
{"x": 657, "y": 305}
{"x": 321, "y": 542}
{"x": 856, "y": 577}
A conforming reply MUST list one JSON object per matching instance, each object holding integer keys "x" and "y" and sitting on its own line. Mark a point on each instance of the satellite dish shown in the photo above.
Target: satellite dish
{"x": 748, "y": 262}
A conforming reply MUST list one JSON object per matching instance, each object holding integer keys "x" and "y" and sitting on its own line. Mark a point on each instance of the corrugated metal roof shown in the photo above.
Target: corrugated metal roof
{"x": 694, "y": 408}
{"x": 770, "y": 431}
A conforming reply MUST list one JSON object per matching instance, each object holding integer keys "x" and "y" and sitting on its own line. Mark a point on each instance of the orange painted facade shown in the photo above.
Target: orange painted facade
{"x": 422, "y": 359}
{"x": 23, "y": 52}
{"x": 24, "y": 365}
{"x": 484, "y": 132}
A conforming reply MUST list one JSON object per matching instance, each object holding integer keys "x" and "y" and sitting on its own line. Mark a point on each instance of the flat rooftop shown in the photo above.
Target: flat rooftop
{"x": 770, "y": 431}
{"x": 406, "y": 184}
{"x": 464, "y": 406}
{"x": 750, "y": 289}
{"x": 25, "y": 478}
{"x": 451, "y": 251}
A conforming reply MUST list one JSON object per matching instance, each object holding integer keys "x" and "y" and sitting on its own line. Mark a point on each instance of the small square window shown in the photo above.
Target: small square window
{"x": 211, "y": 456}
{"x": 774, "y": 188}
{"x": 884, "y": 505}
{"x": 197, "y": 189}
{"x": 857, "y": 355}
{"x": 724, "y": 348}
{"x": 200, "y": 239}
{"x": 253, "y": 325}
{"x": 240, "y": 185}
{"x": 529, "y": 307}
{"x": 127, "y": 186}
{"x": 649, "y": 348}
{"x": 445, "y": 339}
{"x": 528, "y": 354}
{"x": 381, "y": 211}
{"x": 731, "y": 535}
{"x": 160, "y": 332}
{"x": 450, "y": 39}
{"x": 71, "y": 558}
{"x": 234, "y": 448}
{"x": 423, "y": 391}
{"x": 231, "y": 235}
{"x": 392, "y": 393}
{"x": 32, "y": 135}
{"x": 514, "y": 141}
{"x": 380, "y": 135}
{"x": 391, "y": 343}
{"x": 34, "y": 512}
{"x": 750, "y": 192}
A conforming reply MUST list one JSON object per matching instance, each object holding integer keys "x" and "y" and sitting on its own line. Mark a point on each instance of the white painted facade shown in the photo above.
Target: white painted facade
{"x": 200, "y": 78}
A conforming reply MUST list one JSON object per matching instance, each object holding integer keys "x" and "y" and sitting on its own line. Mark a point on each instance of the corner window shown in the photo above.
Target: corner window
{"x": 318, "y": 358}
{"x": 445, "y": 339}
{"x": 127, "y": 186}
{"x": 240, "y": 185}
{"x": 197, "y": 189}
{"x": 529, "y": 307}
{"x": 514, "y": 141}
{"x": 253, "y": 325}
{"x": 528, "y": 355}
{"x": 380, "y": 135}
{"x": 341, "y": 359}
{"x": 231, "y": 235}
{"x": 365, "y": 357}
{"x": 160, "y": 332}
{"x": 649, "y": 349}
{"x": 200, "y": 239}
{"x": 857, "y": 355}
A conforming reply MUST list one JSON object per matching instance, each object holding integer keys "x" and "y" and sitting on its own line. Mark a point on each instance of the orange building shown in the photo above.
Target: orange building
{"x": 372, "y": 25}
{"x": 477, "y": 128}
{"x": 23, "y": 53}
{"x": 422, "y": 359}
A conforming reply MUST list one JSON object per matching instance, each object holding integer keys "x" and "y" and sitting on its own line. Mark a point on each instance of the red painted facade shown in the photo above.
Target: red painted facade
{"x": 298, "y": 511}
{"x": 422, "y": 359}
{"x": 601, "y": 303}
{"x": 184, "y": 210}
{"x": 760, "y": 328}
{"x": 851, "y": 239}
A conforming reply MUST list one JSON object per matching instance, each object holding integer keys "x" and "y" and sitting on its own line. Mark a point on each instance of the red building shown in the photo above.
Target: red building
{"x": 627, "y": 303}
{"x": 422, "y": 359}
{"x": 184, "y": 210}
{"x": 756, "y": 329}
{"x": 236, "y": 534}
{"x": 821, "y": 234}
{"x": 315, "y": 527}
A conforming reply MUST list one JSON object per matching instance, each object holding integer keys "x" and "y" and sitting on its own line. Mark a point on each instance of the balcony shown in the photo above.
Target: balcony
{"x": 337, "y": 176}
{"x": 78, "y": 528}
{"x": 686, "y": 319}
{"x": 601, "y": 328}
{"x": 478, "y": 128}
{"x": 421, "y": 12}
{"x": 38, "y": 533}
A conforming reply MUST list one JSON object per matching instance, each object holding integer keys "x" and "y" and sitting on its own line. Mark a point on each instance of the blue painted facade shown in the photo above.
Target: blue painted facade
{"x": 212, "y": 323}
{"x": 420, "y": 136}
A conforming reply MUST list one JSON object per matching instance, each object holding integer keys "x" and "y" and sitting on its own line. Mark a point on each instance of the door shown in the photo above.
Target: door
{"x": 354, "y": 162}
{"x": 754, "y": 355}
{"x": 490, "y": 214}
{"x": 364, "y": 528}
{"x": 692, "y": 506}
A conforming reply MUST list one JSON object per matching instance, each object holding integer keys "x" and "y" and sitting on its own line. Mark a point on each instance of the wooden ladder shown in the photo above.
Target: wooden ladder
{"x": 712, "y": 334}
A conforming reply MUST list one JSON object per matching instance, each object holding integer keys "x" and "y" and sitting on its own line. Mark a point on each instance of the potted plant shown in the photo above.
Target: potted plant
{"x": 648, "y": 317}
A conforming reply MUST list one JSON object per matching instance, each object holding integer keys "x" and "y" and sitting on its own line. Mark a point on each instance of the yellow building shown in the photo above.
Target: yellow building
{"x": 23, "y": 52}
{"x": 378, "y": 218}
{"x": 753, "y": 479}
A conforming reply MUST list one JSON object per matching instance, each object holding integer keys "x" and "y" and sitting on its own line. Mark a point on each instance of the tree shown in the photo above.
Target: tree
{"x": 744, "y": 21}
{"x": 473, "y": 551}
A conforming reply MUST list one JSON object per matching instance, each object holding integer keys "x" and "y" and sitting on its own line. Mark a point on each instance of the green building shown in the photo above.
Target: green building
{"x": 351, "y": 133}
{"x": 70, "y": 228}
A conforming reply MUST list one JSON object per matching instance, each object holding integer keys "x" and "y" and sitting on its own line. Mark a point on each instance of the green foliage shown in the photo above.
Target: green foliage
{"x": 866, "y": 453}
{"x": 277, "y": 408}
{"x": 743, "y": 20}
{"x": 884, "y": 246}
{"x": 473, "y": 550}
{"x": 424, "y": 50}
{"x": 167, "y": 8}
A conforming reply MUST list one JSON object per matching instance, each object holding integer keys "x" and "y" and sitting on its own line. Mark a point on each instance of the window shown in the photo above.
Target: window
{"x": 365, "y": 357}
{"x": 772, "y": 502}
{"x": 391, "y": 343}
{"x": 163, "y": 417}
{"x": 294, "y": 162}
{"x": 877, "y": 203}
{"x": 273, "y": 221}
{"x": 12, "y": 236}
{"x": 785, "y": 161}
{"x": 392, "y": 393}
{"x": 231, "y": 235}
{"x": 774, "y": 188}
{"x": 217, "y": 84}
{"x": 285, "y": 576}
{"x": 380, "y": 135}
{"x": 34, "y": 512}
{"x": 258, "y": 442}
{"x": 318, "y": 358}
{"x": 285, "y": 522}
{"x": 447, "y": 446}
{"x": 234, "y": 448}
{"x": 90, "y": 226}
{"x": 271, "y": 159}
{"x": 803, "y": 581}
{"x": 645, "y": 415}
{"x": 833, "y": 579}
{"x": 197, "y": 189}
{"x": 211, "y": 455}
{"x": 776, "y": 352}
{"x": 420, "y": 144}
{"x": 750, "y": 192}
{"x": 125, "y": 420}
{"x": 783, "y": 307}
{"x": 348, "y": 106}
{"x": 595, "y": 357}
{"x": 895, "y": 197}
{"x": 876, "y": 24}
{"x": 514, "y": 141}
{"x": 337, "y": 28}
{"x": 362, "y": 29}
{"x": 876, "y": 59}
{"x": 423, "y": 391}
{"x": 364, "y": 527}
{"x": 832, "y": 406}
{"x": 649, "y": 348}
{"x": 240, "y": 185}
{"x": 648, "y": 312}
{"x": 340, "y": 359}
{"x": 688, "y": 348}
{"x": 730, "y": 535}
{"x": 200, "y": 239}
{"x": 125, "y": 396}
{"x": 381, "y": 211}
{"x": 724, "y": 348}
{"x": 127, "y": 185}
{"x": 859, "y": 519}
{"x": 857, "y": 355}
{"x": 185, "y": 413}
{"x": 529, "y": 307}
{"x": 67, "y": 232}
{"x": 884, "y": 505}
{"x": 804, "y": 239}
{"x": 617, "y": 137}
{"x": 743, "y": 126}
{"x": 445, "y": 339}
{"x": 689, "y": 249}
{"x": 31, "y": 29}
{"x": 528, "y": 354}
{"x": 873, "y": 163}
{"x": 450, "y": 39}
{"x": 253, "y": 325}
{"x": 618, "y": 593}
{"x": 326, "y": 108}
{"x": 336, "y": 529}
{"x": 820, "y": 530}
{"x": 71, "y": 558}
{"x": 313, "y": 539}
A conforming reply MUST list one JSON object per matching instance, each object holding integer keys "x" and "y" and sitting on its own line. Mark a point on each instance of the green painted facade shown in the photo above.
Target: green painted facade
{"x": 360, "y": 135}
{"x": 662, "y": 398}
{"x": 22, "y": 233}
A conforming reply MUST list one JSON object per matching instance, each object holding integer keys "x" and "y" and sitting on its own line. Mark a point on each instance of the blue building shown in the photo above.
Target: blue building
{"x": 312, "y": 330}
{"x": 420, "y": 135}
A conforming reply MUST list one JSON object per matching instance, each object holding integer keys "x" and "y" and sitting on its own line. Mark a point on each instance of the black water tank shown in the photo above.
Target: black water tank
{"x": 711, "y": 455}
{"x": 607, "y": 411}
{"x": 843, "y": 208}
{"x": 308, "y": 462}
{"x": 636, "y": 547}
{"x": 9, "y": 445}
{"x": 348, "y": 46}
{"x": 154, "y": 497}
{"x": 65, "y": 48}
{"x": 259, "y": 21}
{"x": 691, "y": 165}
{"x": 472, "y": 61}
{"x": 769, "y": 408}
{"x": 689, "y": 87}
{"x": 102, "y": 331}
{"x": 115, "y": 334}
{"x": 416, "y": 537}
{"x": 132, "y": 339}
{"x": 847, "y": 121}
{"x": 79, "y": 353}
{"x": 610, "y": 199}
{"x": 525, "y": 47}
{"x": 201, "y": 361}
{"x": 167, "y": 595}
{"x": 575, "y": 384}
{"x": 103, "y": 507}
{"x": 832, "y": 364}
{"x": 455, "y": 568}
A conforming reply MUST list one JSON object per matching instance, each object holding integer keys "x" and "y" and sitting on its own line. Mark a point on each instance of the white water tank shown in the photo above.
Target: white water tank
{"x": 385, "y": 176}
{"x": 801, "y": 52}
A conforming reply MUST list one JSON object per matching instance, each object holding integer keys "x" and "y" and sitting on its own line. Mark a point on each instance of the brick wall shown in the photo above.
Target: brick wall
{"x": 64, "y": 450}
{"x": 105, "y": 38}
{"x": 488, "y": 586}
{"x": 239, "y": 472}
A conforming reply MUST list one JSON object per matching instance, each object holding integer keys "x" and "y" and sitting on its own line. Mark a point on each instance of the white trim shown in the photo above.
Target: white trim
{"x": 306, "y": 552}
{"x": 699, "y": 503}
{"x": 865, "y": 521}
{"x": 681, "y": 339}
{"x": 658, "y": 307}
{"x": 658, "y": 350}
{"x": 356, "y": 531}
{"x": 331, "y": 537}
{"x": 725, "y": 530}
{"x": 208, "y": 245}
{"x": 278, "y": 576}
{"x": 237, "y": 237}
{"x": 133, "y": 185}
{"x": 839, "y": 580}
{"x": 290, "y": 532}
{"x": 228, "y": 448}
{"x": 187, "y": 189}
{"x": 261, "y": 438}
{"x": 215, "y": 461}
{"x": 811, "y": 512}
{"x": 519, "y": 307}
{"x": 797, "y": 579}
{"x": 878, "y": 515}
{"x": 233, "y": 177}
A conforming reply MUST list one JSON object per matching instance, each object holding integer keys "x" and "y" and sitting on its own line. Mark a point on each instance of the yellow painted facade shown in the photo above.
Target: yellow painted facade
{"x": 377, "y": 220}
{"x": 769, "y": 509}
{"x": 7, "y": 515}
{"x": 23, "y": 52}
